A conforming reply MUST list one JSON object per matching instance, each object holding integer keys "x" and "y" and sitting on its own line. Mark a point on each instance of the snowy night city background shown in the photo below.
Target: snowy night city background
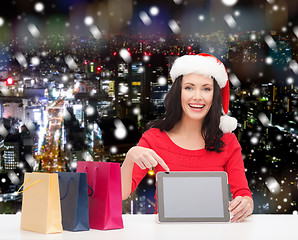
{"x": 80, "y": 79}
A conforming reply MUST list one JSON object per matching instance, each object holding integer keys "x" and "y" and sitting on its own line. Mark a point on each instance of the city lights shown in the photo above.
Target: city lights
{"x": 83, "y": 85}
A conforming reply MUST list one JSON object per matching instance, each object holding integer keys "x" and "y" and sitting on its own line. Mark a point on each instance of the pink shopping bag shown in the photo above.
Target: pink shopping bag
{"x": 105, "y": 205}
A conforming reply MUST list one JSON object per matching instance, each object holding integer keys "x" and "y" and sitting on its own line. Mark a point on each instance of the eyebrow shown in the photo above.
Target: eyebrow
{"x": 202, "y": 85}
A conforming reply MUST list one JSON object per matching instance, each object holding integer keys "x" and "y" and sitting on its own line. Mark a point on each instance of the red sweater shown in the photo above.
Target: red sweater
{"x": 180, "y": 159}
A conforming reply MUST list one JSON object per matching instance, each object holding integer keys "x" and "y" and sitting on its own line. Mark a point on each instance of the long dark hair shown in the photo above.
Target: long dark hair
{"x": 210, "y": 128}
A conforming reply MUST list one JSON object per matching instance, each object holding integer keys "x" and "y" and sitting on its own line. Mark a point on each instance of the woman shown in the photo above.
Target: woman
{"x": 193, "y": 136}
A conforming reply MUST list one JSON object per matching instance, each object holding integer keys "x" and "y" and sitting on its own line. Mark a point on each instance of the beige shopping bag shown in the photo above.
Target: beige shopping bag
{"x": 41, "y": 210}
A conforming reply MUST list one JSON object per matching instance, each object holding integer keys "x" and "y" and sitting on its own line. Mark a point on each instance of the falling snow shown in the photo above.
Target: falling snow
{"x": 120, "y": 131}
{"x": 230, "y": 20}
{"x": 145, "y": 18}
{"x": 33, "y": 30}
{"x": 1, "y": 21}
{"x": 174, "y": 26}
{"x": 269, "y": 145}
{"x": 229, "y": 3}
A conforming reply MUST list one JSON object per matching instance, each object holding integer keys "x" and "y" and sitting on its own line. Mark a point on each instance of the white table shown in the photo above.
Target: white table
{"x": 263, "y": 227}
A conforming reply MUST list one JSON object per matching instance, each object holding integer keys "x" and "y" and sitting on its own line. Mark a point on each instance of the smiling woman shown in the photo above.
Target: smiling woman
{"x": 192, "y": 135}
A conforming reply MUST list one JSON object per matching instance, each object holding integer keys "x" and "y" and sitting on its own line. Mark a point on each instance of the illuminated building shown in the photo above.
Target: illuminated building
{"x": 11, "y": 155}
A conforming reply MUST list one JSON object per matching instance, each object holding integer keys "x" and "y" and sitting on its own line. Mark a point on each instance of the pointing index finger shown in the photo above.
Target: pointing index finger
{"x": 161, "y": 162}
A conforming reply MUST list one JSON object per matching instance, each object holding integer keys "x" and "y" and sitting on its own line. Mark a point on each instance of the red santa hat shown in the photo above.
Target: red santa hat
{"x": 208, "y": 65}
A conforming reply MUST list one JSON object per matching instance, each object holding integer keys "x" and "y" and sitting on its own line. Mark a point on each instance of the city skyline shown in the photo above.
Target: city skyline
{"x": 107, "y": 80}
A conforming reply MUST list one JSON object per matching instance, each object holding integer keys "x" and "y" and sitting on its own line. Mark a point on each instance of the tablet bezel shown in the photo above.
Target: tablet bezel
{"x": 160, "y": 196}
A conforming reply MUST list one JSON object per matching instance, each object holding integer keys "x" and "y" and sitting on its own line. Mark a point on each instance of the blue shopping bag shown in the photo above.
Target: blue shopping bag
{"x": 74, "y": 201}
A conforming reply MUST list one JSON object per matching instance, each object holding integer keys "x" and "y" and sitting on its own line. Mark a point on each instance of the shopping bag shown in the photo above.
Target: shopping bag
{"x": 41, "y": 210}
{"x": 74, "y": 201}
{"x": 105, "y": 205}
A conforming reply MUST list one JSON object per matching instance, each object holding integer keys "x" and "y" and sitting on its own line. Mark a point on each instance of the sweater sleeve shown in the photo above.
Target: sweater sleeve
{"x": 137, "y": 173}
{"x": 235, "y": 169}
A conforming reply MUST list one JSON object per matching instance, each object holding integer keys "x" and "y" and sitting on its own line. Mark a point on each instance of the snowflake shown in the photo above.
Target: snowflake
{"x": 275, "y": 7}
{"x": 229, "y": 3}
{"x": 146, "y": 58}
{"x": 3, "y": 131}
{"x": 1, "y": 21}
{"x": 95, "y": 32}
{"x": 145, "y": 18}
{"x": 201, "y": 17}
{"x": 264, "y": 119}
{"x": 294, "y": 66}
{"x": 253, "y": 37}
{"x": 270, "y": 42}
{"x": 87, "y": 156}
{"x": 162, "y": 81}
{"x": 30, "y": 160}
{"x": 254, "y": 140}
{"x": 264, "y": 170}
{"x": 269, "y": 60}
{"x": 35, "y": 61}
{"x": 13, "y": 177}
{"x": 66, "y": 115}
{"x": 90, "y": 110}
{"x": 21, "y": 60}
{"x": 120, "y": 131}
{"x": 154, "y": 11}
{"x": 88, "y": 21}
{"x": 39, "y": 7}
{"x": 73, "y": 164}
{"x": 272, "y": 185}
{"x": 33, "y": 30}
{"x": 123, "y": 89}
{"x": 230, "y": 20}
{"x": 237, "y": 13}
{"x": 70, "y": 62}
{"x": 290, "y": 80}
{"x": 113, "y": 149}
{"x": 234, "y": 80}
{"x": 125, "y": 55}
{"x": 174, "y": 26}
{"x": 68, "y": 146}
{"x": 150, "y": 181}
{"x": 256, "y": 92}
{"x": 136, "y": 111}
{"x": 177, "y": 2}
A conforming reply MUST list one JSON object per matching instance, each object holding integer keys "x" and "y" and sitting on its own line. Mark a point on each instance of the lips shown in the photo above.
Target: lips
{"x": 196, "y": 106}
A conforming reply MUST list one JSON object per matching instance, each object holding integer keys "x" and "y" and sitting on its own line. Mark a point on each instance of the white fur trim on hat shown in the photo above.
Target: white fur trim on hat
{"x": 227, "y": 124}
{"x": 205, "y": 65}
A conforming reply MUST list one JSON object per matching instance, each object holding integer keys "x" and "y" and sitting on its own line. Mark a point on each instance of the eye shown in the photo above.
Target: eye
{"x": 187, "y": 88}
{"x": 207, "y": 89}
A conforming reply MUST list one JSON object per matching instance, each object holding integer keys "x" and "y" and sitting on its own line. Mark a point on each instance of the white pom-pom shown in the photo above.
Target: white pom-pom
{"x": 227, "y": 124}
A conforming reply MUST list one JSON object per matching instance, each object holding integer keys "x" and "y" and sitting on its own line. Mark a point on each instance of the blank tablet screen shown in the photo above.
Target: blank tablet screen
{"x": 192, "y": 196}
{"x": 194, "y": 200}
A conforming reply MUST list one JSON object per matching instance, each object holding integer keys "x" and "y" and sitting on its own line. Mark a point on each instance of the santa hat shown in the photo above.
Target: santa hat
{"x": 208, "y": 65}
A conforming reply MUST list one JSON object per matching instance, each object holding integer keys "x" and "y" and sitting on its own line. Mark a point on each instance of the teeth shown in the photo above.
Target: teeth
{"x": 196, "y": 106}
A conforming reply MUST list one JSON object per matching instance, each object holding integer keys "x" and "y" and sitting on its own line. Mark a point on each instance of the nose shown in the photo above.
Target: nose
{"x": 197, "y": 95}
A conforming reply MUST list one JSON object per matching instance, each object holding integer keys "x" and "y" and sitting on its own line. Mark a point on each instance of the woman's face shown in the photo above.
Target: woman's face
{"x": 196, "y": 96}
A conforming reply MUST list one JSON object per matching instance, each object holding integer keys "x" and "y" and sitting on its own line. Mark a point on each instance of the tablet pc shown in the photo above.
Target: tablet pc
{"x": 192, "y": 197}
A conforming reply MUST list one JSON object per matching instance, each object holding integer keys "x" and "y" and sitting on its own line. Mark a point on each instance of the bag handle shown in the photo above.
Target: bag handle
{"x": 67, "y": 190}
{"x": 95, "y": 177}
{"x": 92, "y": 194}
{"x": 29, "y": 186}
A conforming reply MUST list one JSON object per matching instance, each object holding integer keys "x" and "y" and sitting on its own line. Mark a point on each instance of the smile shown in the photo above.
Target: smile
{"x": 197, "y": 107}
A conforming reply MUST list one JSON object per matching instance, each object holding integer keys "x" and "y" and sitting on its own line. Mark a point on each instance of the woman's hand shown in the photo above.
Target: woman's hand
{"x": 240, "y": 208}
{"x": 145, "y": 158}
